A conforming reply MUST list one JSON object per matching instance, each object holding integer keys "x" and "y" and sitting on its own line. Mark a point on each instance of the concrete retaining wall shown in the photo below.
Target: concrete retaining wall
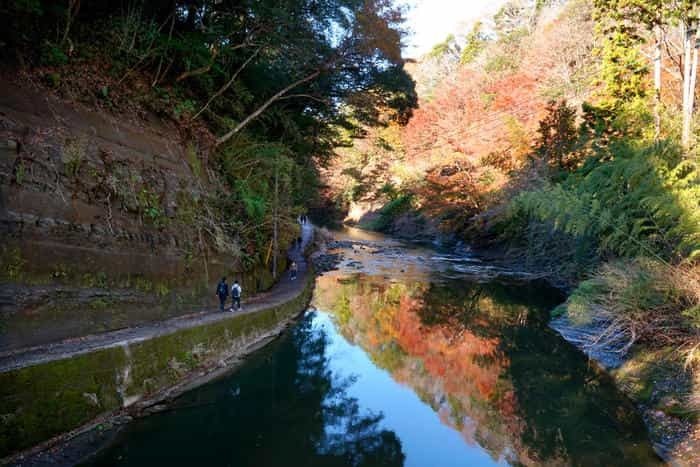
{"x": 46, "y": 400}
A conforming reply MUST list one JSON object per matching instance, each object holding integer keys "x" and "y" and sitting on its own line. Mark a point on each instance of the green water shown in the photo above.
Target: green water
{"x": 425, "y": 367}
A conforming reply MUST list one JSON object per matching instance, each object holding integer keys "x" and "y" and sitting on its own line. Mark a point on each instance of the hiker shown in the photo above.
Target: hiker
{"x": 236, "y": 291}
{"x": 293, "y": 270}
{"x": 222, "y": 293}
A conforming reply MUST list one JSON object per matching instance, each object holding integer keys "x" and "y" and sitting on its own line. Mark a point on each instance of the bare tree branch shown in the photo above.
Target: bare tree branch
{"x": 267, "y": 104}
{"x": 228, "y": 84}
{"x": 307, "y": 96}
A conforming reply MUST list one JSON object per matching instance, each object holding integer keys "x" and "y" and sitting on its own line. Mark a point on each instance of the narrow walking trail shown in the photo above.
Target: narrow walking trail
{"x": 282, "y": 292}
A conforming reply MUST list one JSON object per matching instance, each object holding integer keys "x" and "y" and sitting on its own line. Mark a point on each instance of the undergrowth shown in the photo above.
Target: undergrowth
{"x": 638, "y": 300}
{"x": 389, "y": 213}
{"x": 641, "y": 202}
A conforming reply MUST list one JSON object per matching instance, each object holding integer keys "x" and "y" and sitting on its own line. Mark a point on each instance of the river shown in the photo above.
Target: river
{"x": 407, "y": 356}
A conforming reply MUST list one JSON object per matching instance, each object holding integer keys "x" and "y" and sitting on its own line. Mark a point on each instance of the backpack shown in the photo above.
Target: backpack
{"x": 221, "y": 291}
{"x": 236, "y": 291}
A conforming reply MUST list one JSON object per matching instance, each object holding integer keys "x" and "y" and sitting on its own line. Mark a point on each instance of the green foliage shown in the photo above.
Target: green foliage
{"x": 389, "y": 190}
{"x": 624, "y": 73}
{"x": 441, "y": 49}
{"x": 99, "y": 304}
{"x": 14, "y": 264}
{"x": 149, "y": 203}
{"x": 53, "y": 80}
{"x": 692, "y": 314}
{"x": 390, "y": 212}
{"x": 27, "y": 6}
{"x": 254, "y": 201}
{"x": 221, "y": 62}
{"x": 183, "y": 108}
{"x": 162, "y": 289}
{"x": 193, "y": 160}
{"x": 623, "y": 70}
{"x": 20, "y": 172}
{"x": 558, "y": 136}
{"x": 99, "y": 279}
{"x": 475, "y": 43}
{"x": 511, "y": 18}
{"x": 500, "y": 64}
{"x": 637, "y": 286}
{"x": 636, "y": 201}
{"x": 638, "y": 299}
{"x": 52, "y": 55}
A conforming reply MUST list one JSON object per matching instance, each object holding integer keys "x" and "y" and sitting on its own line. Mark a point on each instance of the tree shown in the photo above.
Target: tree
{"x": 361, "y": 37}
{"x": 686, "y": 12}
{"x": 558, "y": 135}
{"x": 622, "y": 15}
{"x": 474, "y": 44}
{"x": 630, "y": 18}
{"x": 447, "y": 47}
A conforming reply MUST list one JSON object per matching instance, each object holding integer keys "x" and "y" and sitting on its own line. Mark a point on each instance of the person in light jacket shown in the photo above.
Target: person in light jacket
{"x": 236, "y": 292}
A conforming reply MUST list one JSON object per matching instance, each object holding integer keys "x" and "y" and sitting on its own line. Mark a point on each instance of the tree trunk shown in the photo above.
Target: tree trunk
{"x": 275, "y": 214}
{"x": 657, "y": 82}
{"x": 264, "y": 107}
{"x": 691, "y": 87}
{"x": 160, "y": 62}
{"x": 71, "y": 13}
{"x": 688, "y": 33}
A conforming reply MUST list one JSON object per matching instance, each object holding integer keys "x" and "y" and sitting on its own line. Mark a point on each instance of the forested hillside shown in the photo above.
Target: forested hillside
{"x": 170, "y": 142}
{"x": 562, "y": 134}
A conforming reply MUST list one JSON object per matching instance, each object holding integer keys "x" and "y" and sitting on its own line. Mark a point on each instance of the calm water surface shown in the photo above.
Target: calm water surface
{"x": 408, "y": 357}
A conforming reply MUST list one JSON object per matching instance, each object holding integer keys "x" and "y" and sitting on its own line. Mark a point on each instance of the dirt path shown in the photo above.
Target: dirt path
{"x": 284, "y": 291}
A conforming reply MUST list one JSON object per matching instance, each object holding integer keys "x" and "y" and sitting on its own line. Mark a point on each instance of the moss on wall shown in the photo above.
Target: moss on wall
{"x": 30, "y": 263}
{"x": 42, "y": 401}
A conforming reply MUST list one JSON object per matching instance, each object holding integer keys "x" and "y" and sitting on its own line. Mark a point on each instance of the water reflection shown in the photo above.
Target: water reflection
{"x": 408, "y": 369}
{"x": 483, "y": 358}
{"x": 284, "y": 407}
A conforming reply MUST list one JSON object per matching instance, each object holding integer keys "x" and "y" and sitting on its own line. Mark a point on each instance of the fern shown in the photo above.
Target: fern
{"x": 639, "y": 202}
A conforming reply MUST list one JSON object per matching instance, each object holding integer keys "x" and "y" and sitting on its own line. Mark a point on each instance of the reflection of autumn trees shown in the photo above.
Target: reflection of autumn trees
{"x": 285, "y": 407}
{"x": 483, "y": 358}
{"x": 413, "y": 330}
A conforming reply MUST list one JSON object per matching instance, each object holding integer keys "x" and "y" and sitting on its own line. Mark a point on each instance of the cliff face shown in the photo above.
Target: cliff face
{"x": 100, "y": 219}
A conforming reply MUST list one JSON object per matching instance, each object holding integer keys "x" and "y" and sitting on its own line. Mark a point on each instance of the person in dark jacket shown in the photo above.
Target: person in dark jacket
{"x": 222, "y": 293}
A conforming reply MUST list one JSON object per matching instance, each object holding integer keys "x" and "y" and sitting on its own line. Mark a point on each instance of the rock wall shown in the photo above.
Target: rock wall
{"x": 92, "y": 202}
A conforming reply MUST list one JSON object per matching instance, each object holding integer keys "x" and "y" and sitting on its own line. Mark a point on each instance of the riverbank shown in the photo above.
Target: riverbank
{"x": 656, "y": 380}
{"x": 452, "y": 368}
{"x": 53, "y": 393}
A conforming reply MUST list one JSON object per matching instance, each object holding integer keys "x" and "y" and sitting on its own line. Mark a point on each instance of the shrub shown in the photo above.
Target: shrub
{"x": 390, "y": 211}
{"x": 627, "y": 301}
{"x": 149, "y": 203}
{"x": 73, "y": 156}
{"x": 52, "y": 55}
{"x": 640, "y": 202}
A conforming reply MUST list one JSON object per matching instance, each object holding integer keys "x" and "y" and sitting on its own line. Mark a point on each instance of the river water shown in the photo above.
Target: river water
{"x": 410, "y": 357}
